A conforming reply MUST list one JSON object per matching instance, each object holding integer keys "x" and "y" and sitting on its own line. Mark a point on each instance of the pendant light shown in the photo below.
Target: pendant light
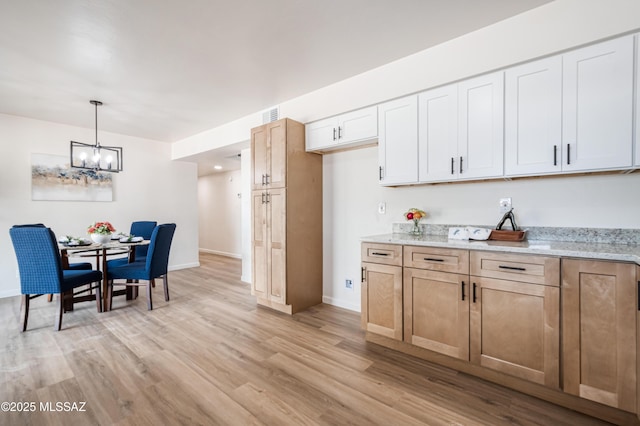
{"x": 96, "y": 157}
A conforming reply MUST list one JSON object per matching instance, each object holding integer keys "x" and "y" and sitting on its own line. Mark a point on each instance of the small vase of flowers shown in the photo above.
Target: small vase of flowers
{"x": 415, "y": 215}
{"x": 100, "y": 232}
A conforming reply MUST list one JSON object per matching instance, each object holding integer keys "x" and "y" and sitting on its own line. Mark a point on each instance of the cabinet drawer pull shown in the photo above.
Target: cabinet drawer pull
{"x": 568, "y": 154}
{"x": 463, "y": 290}
{"x": 431, "y": 259}
{"x": 380, "y": 173}
{"x": 375, "y": 253}
{"x": 461, "y": 164}
{"x": 452, "y": 161}
{"x": 512, "y": 268}
{"x": 268, "y": 201}
{"x": 263, "y": 180}
{"x": 474, "y": 292}
{"x": 266, "y": 179}
{"x": 339, "y": 132}
{"x": 334, "y": 133}
{"x": 362, "y": 274}
{"x": 555, "y": 155}
{"x": 263, "y": 198}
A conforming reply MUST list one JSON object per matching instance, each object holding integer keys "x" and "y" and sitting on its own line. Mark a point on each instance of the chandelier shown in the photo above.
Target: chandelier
{"x": 96, "y": 157}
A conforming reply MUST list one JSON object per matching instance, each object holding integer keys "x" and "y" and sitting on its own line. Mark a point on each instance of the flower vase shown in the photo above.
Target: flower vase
{"x": 416, "y": 228}
{"x": 101, "y": 238}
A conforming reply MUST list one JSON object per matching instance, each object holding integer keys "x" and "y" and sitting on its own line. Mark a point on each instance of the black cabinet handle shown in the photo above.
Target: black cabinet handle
{"x": 339, "y": 132}
{"x": 568, "y": 153}
{"x": 555, "y": 155}
{"x": 639, "y": 295}
{"x": 512, "y": 268}
{"x": 452, "y": 161}
{"x": 431, "y": 259}
{"x": 375, "y": 253}
{"x": 334, "y": 133}
{"x": 474, "y": 292}
{"x": 461, "y": 164}
{"x": 462, "y": 290}
{"x": 380, "y": 173}
{"x": 362, "y": 274}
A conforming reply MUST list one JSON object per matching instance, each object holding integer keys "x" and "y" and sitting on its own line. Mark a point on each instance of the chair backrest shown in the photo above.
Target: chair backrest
{"x": 142, "y": 229}
{"x": 159, "y": 246}
{"x": 38, "y": 257}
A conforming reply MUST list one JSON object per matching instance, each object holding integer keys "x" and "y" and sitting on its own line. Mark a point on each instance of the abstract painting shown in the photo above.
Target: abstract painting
{"x": 53, "y": 180}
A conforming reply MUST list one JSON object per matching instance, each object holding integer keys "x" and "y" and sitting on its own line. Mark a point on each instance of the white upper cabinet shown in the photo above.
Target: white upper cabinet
{"x": 438, "y": 134}
{"x": 481, "y": 127}
{"x": 346, "y": 130}
{"x": 597, "y": 98}
{"x": 398, "y": 141}
{"x": 533, "y": 118}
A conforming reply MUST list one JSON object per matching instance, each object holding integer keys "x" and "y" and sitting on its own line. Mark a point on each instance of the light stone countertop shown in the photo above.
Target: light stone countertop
{"x": 588, "y": 250}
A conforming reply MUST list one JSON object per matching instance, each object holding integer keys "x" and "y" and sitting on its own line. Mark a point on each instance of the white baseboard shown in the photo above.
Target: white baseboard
{"x": 10, "y": 293}
{"x": 340, "y": 303}
{"x": 245, "y": 279}
{"x": 221, "y": 253}
{"x": 184, "y": 266}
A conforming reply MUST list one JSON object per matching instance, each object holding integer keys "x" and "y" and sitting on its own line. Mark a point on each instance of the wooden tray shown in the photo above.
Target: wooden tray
{"x": 501, "y": 235}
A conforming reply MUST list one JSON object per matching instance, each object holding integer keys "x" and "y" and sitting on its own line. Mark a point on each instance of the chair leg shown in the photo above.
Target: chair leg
{"x": 60, "y": 311}
{"x": 109, "y": 301}
{"x": 99, "y": 296}
{"x": 25, "y": 303}
{"x": 50, "y": 298}
{"x": 149, "y": 302}
{"x": 165, "y": 280}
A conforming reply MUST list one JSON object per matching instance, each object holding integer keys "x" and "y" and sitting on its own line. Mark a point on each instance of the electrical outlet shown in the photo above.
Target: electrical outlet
{"x": 505, "y": 204}
{"x": 382, "y": 208}
{"x": 348, "y": 284}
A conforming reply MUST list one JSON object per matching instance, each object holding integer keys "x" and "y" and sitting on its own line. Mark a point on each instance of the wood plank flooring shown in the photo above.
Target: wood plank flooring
{"x": 210, "y": 356}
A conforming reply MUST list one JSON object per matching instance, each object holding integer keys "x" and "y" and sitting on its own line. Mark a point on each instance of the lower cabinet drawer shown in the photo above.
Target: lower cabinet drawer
{"x": 385, "y": 254}
{"x": 516, "y": 267}
{"x": 437, "y": 259}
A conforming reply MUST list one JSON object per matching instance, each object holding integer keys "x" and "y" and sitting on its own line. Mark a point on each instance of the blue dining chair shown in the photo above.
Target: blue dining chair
{"x": 155, "y": 266}
{"x": 139, "y": 229}
{"x": 40, "y": 269}
{"x": 77, "y": 266}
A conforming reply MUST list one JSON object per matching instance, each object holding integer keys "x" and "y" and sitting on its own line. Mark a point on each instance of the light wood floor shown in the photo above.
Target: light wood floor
{"x": 210, "y": 356}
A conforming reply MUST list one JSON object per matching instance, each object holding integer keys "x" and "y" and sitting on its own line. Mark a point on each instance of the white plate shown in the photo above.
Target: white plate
{"x": 132, "y": 240}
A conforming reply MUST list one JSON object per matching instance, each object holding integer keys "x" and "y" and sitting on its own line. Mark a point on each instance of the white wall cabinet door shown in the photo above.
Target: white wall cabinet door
{"x": 343, "y": 130}
{"x": 598, "y": 106}
{"x": 398, "y": 141}
{"x": 533, "y": 118}
{"x": 481, "y": 126}
{"x": 321, "y": 134}
{"x": 358, "y": 125}
{"x": 438, "y": 134}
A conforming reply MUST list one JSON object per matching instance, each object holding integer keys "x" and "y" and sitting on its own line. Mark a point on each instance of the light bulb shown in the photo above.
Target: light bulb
{"x": 83, "y": 156}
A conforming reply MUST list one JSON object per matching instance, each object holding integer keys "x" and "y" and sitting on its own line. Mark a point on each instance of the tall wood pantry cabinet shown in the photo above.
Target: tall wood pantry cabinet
{"x": 286, "y": 211}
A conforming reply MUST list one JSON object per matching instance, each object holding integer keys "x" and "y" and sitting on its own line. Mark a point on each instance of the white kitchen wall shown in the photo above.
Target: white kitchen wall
{"x": 219, "y": 213}
{"x": 351, "y": 191}
{"x": 151, "y": 187}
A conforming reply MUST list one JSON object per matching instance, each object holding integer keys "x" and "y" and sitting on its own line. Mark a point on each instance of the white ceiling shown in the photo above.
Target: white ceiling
{"x": 168, "y": 69}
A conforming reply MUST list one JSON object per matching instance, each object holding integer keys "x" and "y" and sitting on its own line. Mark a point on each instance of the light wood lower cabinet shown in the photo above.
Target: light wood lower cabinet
{"x": 381, "y": 306}
{"x": 599, "y": 331}
{"x": 436, "y": 311}
{"x": 382, "y": 299}
{"x": 515, "y": 329}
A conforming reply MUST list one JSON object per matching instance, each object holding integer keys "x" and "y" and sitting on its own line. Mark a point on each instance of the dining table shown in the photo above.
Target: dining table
{"x": 102, "y": 252}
